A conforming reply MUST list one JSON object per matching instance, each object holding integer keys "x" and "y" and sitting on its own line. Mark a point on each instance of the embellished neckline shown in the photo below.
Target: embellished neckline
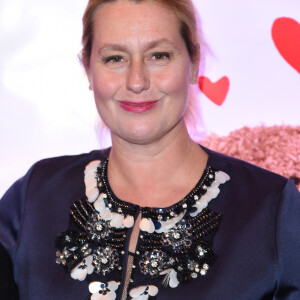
{"x": 121, "y": 213}
{"x": 175, "y": 243}
{"x": 156, "y": 213}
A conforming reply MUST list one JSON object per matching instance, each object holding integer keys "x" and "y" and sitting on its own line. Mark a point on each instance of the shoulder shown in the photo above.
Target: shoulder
{"x": 246, "y": 175}
{"x": 63, "y": 173}
{"x": 69, "y": 161}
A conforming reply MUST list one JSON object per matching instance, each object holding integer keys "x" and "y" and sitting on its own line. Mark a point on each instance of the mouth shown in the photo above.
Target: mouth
{"x": 137, "y": 107}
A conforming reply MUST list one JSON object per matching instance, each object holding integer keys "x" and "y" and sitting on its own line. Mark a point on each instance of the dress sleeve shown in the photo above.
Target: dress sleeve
{"x": 8, "y": 288}
{"x": 288, "y": 244}
{"x": 11, "y": 214}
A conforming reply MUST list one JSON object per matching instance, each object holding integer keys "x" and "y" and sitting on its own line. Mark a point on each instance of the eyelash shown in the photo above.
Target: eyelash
{"x": 157, "y": 56}
{"x": 113, "y": 59}
{"x": 161, "y": 55}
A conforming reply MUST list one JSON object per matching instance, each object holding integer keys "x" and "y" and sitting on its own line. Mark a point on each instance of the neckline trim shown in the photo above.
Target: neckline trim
{"x": 158, "y": 213}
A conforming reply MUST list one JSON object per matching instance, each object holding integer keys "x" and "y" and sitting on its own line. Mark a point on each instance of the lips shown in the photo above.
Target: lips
{"x": 137, "y": 107}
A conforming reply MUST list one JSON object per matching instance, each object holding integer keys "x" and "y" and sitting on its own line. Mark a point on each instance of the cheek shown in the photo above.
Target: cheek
{"x": 175, "y": 82}
{"x": 105, "y": 86}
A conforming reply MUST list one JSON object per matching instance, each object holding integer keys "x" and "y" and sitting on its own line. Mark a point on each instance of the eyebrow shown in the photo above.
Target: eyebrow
{"x": 150, "y": 45}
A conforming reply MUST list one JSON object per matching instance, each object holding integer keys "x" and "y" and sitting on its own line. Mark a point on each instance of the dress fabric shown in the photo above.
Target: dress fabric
{"x": 257, "y": 243}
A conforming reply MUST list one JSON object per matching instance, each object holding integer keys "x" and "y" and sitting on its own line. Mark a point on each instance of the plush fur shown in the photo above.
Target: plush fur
{"x": 275, "y": 148}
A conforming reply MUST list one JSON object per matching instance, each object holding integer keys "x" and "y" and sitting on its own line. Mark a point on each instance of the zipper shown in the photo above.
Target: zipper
{"x": 132, "y": 244}
{"x": 127, "y": 276}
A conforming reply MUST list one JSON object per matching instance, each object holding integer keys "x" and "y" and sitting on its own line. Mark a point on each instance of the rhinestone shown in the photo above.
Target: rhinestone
{"x": 172, "y": 213}
{"x": 205, "y": 266}
{"x": 137, "y": 252}
{"x": 196, "y": 197}
{"x": 203, "y": 272}
{"x": 154, "y": 264}
{"x": 160, "y": 217}
{"x": 104, "y": 196}
{"x": 67, "y": 238}
{"x": 211, "y": 176}
{"x": 109, "y": 205}
{"x": 120, "y": 268}
{"x": 180, "y": 268}
{"x": 131, "y": 280}
{"x": 194, "y": 275}
{"x": 141, "y": 236}
{"x": 122, "y": 252}
{"x": 119, "y": 209}
{"x": 176, "y": 235}
{"x": 197, "y": 270}
{"x": 99, "y": 227}
{"x": 104, "y": 260}
{"x": 184, "y": 205}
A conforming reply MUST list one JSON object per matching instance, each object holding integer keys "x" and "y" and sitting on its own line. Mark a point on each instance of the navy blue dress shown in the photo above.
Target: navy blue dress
{"x": 247, "y": 240}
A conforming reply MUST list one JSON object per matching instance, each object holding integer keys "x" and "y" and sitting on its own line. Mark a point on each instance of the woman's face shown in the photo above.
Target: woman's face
{"x": 140, "y": 70}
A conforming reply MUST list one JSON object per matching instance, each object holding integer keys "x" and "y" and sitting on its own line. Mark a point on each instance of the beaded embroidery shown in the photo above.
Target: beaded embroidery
{"x": 175, "y": 242}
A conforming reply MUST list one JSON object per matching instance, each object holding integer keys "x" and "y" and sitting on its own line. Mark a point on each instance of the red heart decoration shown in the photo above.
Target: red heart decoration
{"x": 216, "y": 91}
{"x": 286, "y": 37}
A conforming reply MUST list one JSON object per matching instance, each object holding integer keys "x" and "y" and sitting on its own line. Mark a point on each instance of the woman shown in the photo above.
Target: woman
{"x": 192, "y": 224}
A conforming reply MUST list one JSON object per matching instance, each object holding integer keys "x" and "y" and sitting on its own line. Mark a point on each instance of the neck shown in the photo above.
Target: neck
{"x": 174, "y": 163}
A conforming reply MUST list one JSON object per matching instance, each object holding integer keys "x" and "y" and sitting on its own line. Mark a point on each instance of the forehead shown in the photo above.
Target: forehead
{"x": 122, "y": 20}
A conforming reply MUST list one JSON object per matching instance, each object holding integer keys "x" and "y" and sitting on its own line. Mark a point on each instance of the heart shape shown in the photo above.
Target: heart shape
{"x": 286, "y": 37}
{"x": 215, "y": 91}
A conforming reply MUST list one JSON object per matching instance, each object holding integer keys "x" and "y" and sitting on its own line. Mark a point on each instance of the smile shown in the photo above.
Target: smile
{"x": 137, "y": 107}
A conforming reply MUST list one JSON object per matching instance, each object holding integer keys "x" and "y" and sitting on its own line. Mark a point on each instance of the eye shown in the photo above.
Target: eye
{"x": 113, "y": 59}
{"x": 160, "y": 55}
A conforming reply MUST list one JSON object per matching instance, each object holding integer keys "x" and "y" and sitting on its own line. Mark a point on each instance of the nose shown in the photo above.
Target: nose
{"x": 137, "y": 80}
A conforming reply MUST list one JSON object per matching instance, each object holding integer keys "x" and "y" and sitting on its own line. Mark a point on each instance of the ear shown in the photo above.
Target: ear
{"x": 88, "y": 74}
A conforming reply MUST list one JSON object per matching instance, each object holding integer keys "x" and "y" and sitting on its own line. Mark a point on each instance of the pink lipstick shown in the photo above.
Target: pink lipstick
{"x": 137, "y": 107}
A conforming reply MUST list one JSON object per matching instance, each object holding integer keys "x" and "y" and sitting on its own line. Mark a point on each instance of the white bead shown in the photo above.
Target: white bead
{"x": 89, "y": 263}
{"x": 92, "y": 193}
{"x": 128, "y": 221}
{"x": 106, "y": 214}
{"x": 110, "y": 296}
{"x": 113, "y": 285}
{"x": 153, "y": 290}
{"x": 166, "y": 225}
{"x": 116, "y": 220}
{"x": 92, "y": 165}
{"x": 78, "y": 274}
{"x": 94, "y": 287}
{"x": 99, "y": 204}
{"x": 137, "y": 291}
{"x": 213, "y": 192}
{"x": 96, "y": 296}
{"x": 147, "y": 225}
{"x": 222, "y": 177}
